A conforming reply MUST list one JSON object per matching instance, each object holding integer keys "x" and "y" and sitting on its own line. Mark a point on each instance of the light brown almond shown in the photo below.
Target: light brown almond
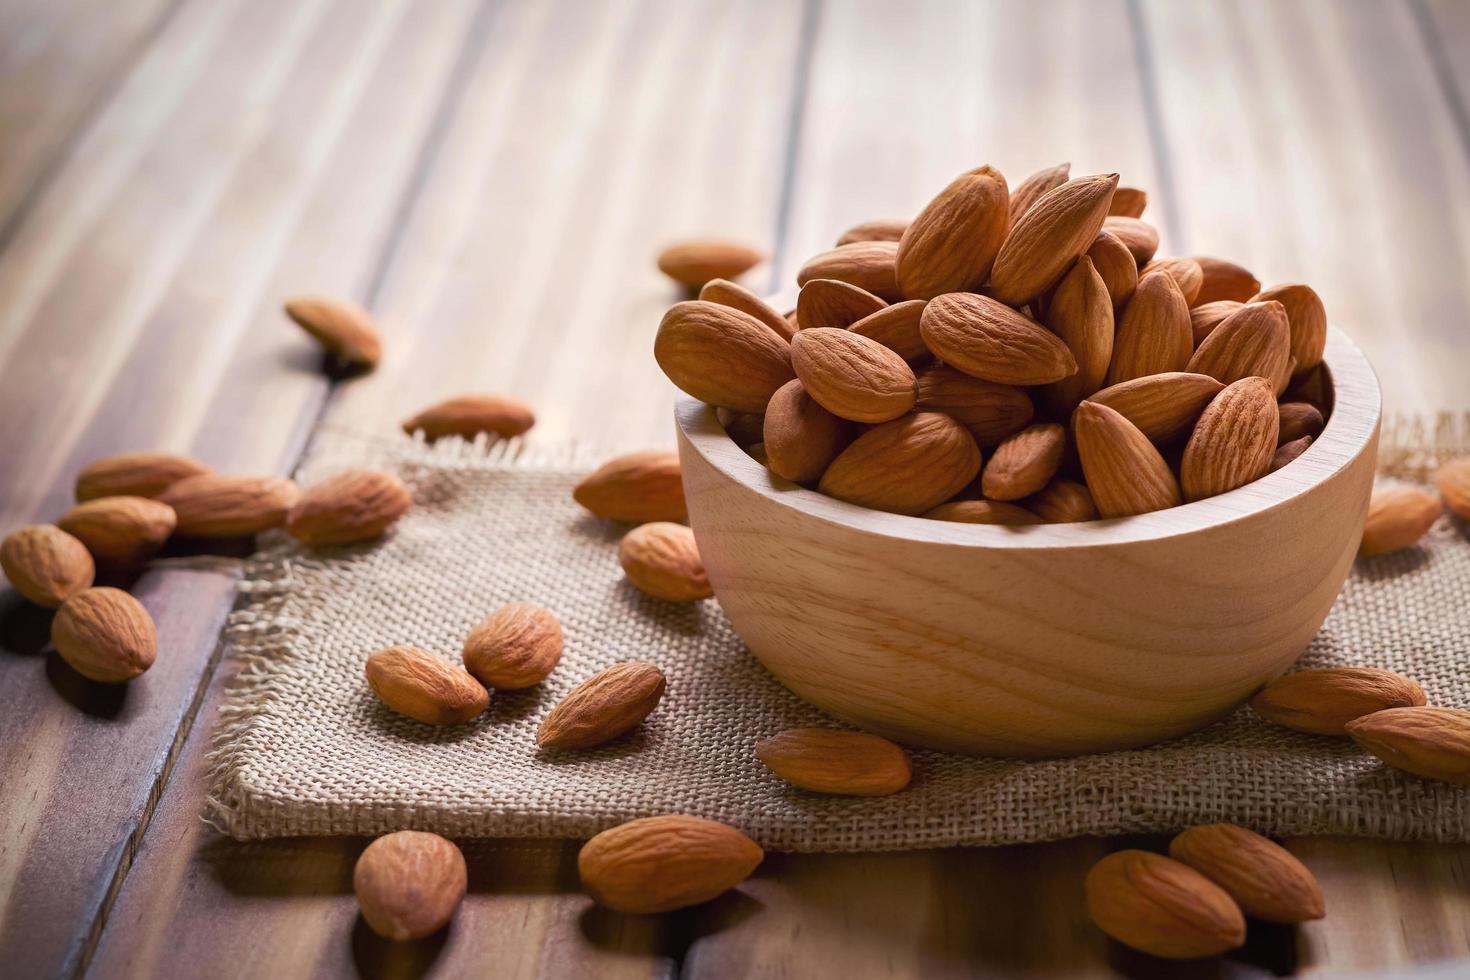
{"x": 353, "y": 506}
{"x": 1112, "y": 260}
{"x": 1286, "y": 452}
{"x": 1080, "y": 312}
{"x": 135, "y": 475}
{"x": 743, "y": 428}
{"x": 869, "y": 265}
{"x": 1205, "y": 317}
{"x": 1162, "y": 906}
{"x": 1298, "y": 419}
{"x": 421, "y": 686}
{"x": 636, "y": 487}
{"x": 1323, "y": 700}
{"x": 906, "y": 466}
{"x": 105, "y": 635}
{"x": 1233, "y": 441}
{"x": 214, "y": 506}
{"x": 1308, "y": 319}
{"x": 831, "y": 303}
{"x": 661, "y": 560}
{"x": 877, "y": 230}
{"x": 953, "y": 242}
{"x": 1225, "y": 281}
{"x": 343, "y": 329}
{"x": 1024, "y": 463}
{"x": 1033, "y": 188}
{"x": 982, "y": 512}
{"x": 1433, "y": 743}
{"x": 1163, "y": 406}
{"x": 732, "y": 294}
{"x": 1453, "y": 481}
{"x": 1049, "y": 236}
{"x": 825, "y": 760}
{"x": 722, "y": 356}
{"x": 1140, "y": 237}
{"x": 897, "y": 328}
{"x": 694, "y": 263}
{"x": 1125, "y": 473}
{"x": 851, "y": 376}
{"x": 1188, "y": 275}
{"x": 1397, "y": 518}
{"x": 120, "y": 531}
{"x": 990, "y": 411}
{"x": 1154, "y": 334}
{"x": 46, "y": 564}
{"x": 1128, "y": 202}
{"x": 1265, "y": 879}
{"x": 801, "y": 438}
{"x": 603, "y": 707}
{"x": 988, "y": 340}
{"x": 514, "y": 647}
{"x": 469, "y": 415}
{"x": 409, "y": 884}
{"x": 1254, "y": 341}
{"x": 1062, "y": 502}
{"x": 659, "y": 864}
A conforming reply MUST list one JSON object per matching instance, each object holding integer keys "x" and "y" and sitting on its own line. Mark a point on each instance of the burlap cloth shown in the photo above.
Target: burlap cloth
{"x": 303, "y": 747}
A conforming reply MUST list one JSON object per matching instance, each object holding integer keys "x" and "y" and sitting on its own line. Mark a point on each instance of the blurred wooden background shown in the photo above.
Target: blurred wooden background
{"x": 493, "y": 178}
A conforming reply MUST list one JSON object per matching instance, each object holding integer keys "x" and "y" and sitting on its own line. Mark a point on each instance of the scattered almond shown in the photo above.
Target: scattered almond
{"x": 1140, "y": 237}
{"x": 907, "y": 466}
{"x": 1049, "y": 236}
{"x": 1265, "y": 879}
{"x": 869, "y": 265}
{"x": 1125, "y": 473}
{"x": 1308, "y": 320}
{"x": 214, "y": 506}
{"x": 1397, "y": 518}
{"x": 988, "y": 340}
{"x": 1024, "y": 463}
{"x": 732, "y": 294}
{"x": 1254, "y": 341}
{"x": 357, "y": 505}
{"x": 135, "y": 475}
{"x": 603, "y": 707}
{"x": 46, "y": 564}
{"x": 469, "y": 415}
{"x": 1453, "y": 481}
{"x": 1225, "y": 281}
{"x": 897, "y": 328}
{"x": 953, "y": 242}
{"x": 1154, "y": 333}
{"x": 659, "y": 864}
{"x": 1433, "y": 743}
{"x": 344, "y": 330}
{"x": 1323, "y": 700}
{"x": 661, "y": 559}
{"x": 1233, "y": 441}
{"x": 1163, "y": 406}
{"x": 825, "y": 760}
{"x": 830, "y": 303}
{"x": 419, "y": 685}
{"x": 1129, "y": 202}
{"x": 409, "y": 884}
{"x": 1162, "y": 906}
{"x": 801, "y": 438}
{"x": 1063, "y": 502}
{"x": 990, "y": 411}
{"x": 120, "y": 531}
{"x": 851, "y": 376}
{"x": 982, "y": 512}
{"x": 694, "y": 263}
{"x": 517, "y": 646}
{"x": 636, "y": 488}
{"x": 105, "y": 635}
{"x": 878, "y": 230}
{"x": 722, "y": 356}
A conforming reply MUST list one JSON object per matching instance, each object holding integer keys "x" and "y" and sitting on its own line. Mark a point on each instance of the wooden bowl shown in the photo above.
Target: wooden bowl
{"x": 1035, "y": 641}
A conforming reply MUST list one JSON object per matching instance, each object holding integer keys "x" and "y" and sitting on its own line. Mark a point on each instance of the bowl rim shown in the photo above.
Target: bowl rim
{"x": 1351, "y": 429}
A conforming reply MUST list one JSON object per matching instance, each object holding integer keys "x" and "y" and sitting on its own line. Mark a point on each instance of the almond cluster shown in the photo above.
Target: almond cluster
{"x": 1011, "y": 357}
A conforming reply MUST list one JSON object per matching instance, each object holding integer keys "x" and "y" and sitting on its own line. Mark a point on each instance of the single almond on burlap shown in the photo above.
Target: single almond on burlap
{"x": 1115, "y": 264}
{"x": 659, "y": 864}
{"x": 982, "y": 512}
{"x": 419, "y": 685}
{"x": 469, "y": 415}
{"x": 1162, "y": 906}
{"x": 1045, "y": 240}
{"x": 1163, "y": 406}
{"x": 1233, "y": 441}
{"x": 604, "y": 706}
{"x": 722, "y": 356}
{"x": 825, "y": 760}
{"x": 694, "y": 263}
{"x": 1265, "y": 879}
{"x": 1080, "y": 312}
{"x": 732, "y": 294}
{"x": 1062, "y": 502}
{"x": 135, "y": 475}
{"x": 1225, "y": 281}
{"x": 120, "y": 531}
{"x": 869, "y": 265}
{"x": 990, "y": 411}
{"x": 1154, "y": 334}
{"x": 1299, "y": 419}
{"x": 743, "y": 428}
{"x": 636, "y": 487}
{"x": 830, "y": 303}
{"x": 409, "y": 884}
{"x": 1323, "y": 700}
{"x": 1430, "y": 742}
{"x": 1024, "y": 463}
{"x": 801, "y": 437}
{"x": 953, "y": 242}
{"x": 1125, "y": 473}
{"x": 105, "y": 635}
{"x": 1288, "y": 451}
{"x": 1453, "y": 481}
{"x": 1397, "y": 518}
{"x": 514, "y": 647}
{"x": 897, "y": 328}
{"x": 212, "y": 505}
{"x": 1205, "y": 317}
{"x": 987, "y": 339}
{"x": 344, "y": 330}
{"x": 353, "y": 506}
{"x": 661, "y": 559}
{"x": 852, "y": 376}
{"x": 1254, "y": 341}
{"x": 906, "y": 466}
{"x": 1033, "y": 188}
{"x": 1140, "y": 237}
{"x": 877, "y": 230}
{"x": 1308, "y": 319}
{"x": 1128, "y": 202}
{"x": 46, "y": 564}
{"x": 1188, "y": 276}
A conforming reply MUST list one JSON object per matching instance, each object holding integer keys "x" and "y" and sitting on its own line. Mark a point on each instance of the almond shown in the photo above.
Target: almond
{"x": 1163, "y": 406}
{"x": 743, "y": 428}
{"x": 1312, "y": 386}
{"x": 990, "y": 411}
{"x": 1233, "y": 441}
{"x": 215, "y": 506}
{"x": 659, "y": 864}
{"x": 1308, "y": 319}
{"x": 722, "y": 356}
{"x": 1033, "y": 188}
{"x": 1323, "y": 700}
{"x": 344, "y": 330}
{"x": 602, "y": 707}
{"x": 830, "y": 303}
{"x": 1430, "y": 742}
{"x": 1205, "y": 317}
{"x": 824, "y": 760}
{"x": 469, "y": 415}
{"x": 1298, "y": 419}
{"x": 516, "y": 646}
{"x": 1162, "y": 906}
{"x": 694, "y": 263}
{"x": 988, "y": 340}
{"x": 637, "y": 488}
{"x": 1063, "y": 502}
{"x": 419, "y": 685}
{"x": 1397, "y": 518}
{"x": 907, "y": 466}
{"x": 953, "y": 242}
{"x": 737, "y": 297}
{"x": 852, "y": 376}
{"x": 105, "y": 635}
{"x": 1080, "y": 312}
{"x": 409, "y": 884}
{"x": 135, "y": 475}
{"x": 357, "y": 505}
{"x": 878, "y": 230}
{"x": 982, "y": 512}
{"x": 869, "y": 265}
{"x": 1115, "y": 264}
{"x": 1265, "y": 879}
{"x": 800, "y": 436}
{"x": 1453, "y": 481}
{"x": 1225, "y": 281}
{"x": 1188, "y": 275}
{"x": 1049, "y": 236}
{"x": 661, "y": 560}
{"x": 1124, "y": 471}
{"x": 1154, "y": 334}
{"x": 1024, "y": 462}
{"x": 45, "y": 564}
{"x": 1254, "y": 341}
{"x": 1128, "y": 202}
{"x": 1286, "y": 452}
{"x": 120, "y": 531}
{"x": 1140, "y": 237}
{"x": 897, "y": 328}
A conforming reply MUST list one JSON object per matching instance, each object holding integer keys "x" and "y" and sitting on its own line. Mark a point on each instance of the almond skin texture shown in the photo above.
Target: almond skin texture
{"x": 135, "y": 475}
{"x": 1063, "y": 502}
{"x": 801, "y": 437}
{"x": 1397, "y": 518}
{"x": 722, "y": 356}
{"x": 1024, "y": 462}
{"x": 105, "y": 635}
{"x": 1125, "y": 473}
{"x": 1308, "y": 319}
{"x": 1265, "y": 879}
{"x": 45, "y": 564}
{"x": 1163, "y": 406}
{"x": 868, "y": 265}
{"x": 120, "y": 531}
{"x": 516, "y": 646}
{"x": 1162, "y": 906}
{"x": 825, "y": 760}
{"x": 851, "y": 376}
{"x": 636, "y": 488}
{"x": 878, "y": 230}
{"x": 694, "y": 263}
{"x": 1129, "y": 202}
{"x": 897, "y": 328}
{"x": 1140, "y": 237}
{"x": 1186, "y": 272}
{"x": 1233, "y": 441}
{"x": 906, "y": 466}
{"x": 215, "y": 506}
{"x": 829, "y": 303}
{"x": 953, "y": 242}
{"x": 1225, "y": 281}
{"x": 1154, "y": 333}
{"x": 1286, "y": 452}
{"x": 659, "y": 864}
{"x": 982, "y": 512}
{"x": 469, "y": 415}
{"x": 1453, "y": 481}
{"x": 1053, "y": 231}
{"x": 409, "y": 884}
{"x": 1433, "y": 743}
{"x": 1081, "y": 313}
{"x": 1033, "y": 188}
{"x": 1298, "y": 419}
{"x": 419, "y": 685}
{"x": 603, "y": 707}
{"x": 1114, "y": 263}
{"x": 1322, "y": 701}
{"x": 1254, "y": 341}
{"x": 732, "y": 294}
{"x": 1205, "y": 317}
{"x": 358, "y": 505}
{"x": 990, "y": 411}
{"x": 661, "y": 560}
{"x": 988, "y": 340}
{"x": 344, "y": 330}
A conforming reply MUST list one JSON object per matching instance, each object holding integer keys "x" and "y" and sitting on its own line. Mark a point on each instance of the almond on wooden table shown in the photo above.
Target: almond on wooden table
{"x": 1033, "y": 188}
{"x": 636, "y": 487}
{"x": 353, "y": 506}
{"x": 851, "y": 376}
{"x": 897, "y": 328}
{"x": 120, "y": 531}
{"x": 135, "y": 475}
{"x": 659, "y": 864}
{"x": 830, "y": 303}
{"x": 1125, "y": 473}
{"x": 877, "y": 230}
{"x": 1162, "y": 906}
{"x": 1188, "y": 275}
{"x": 982, "y": 512}
{"x": 1205, "y": 317}
{"x": 1024, "y": 463}
{"x": 515, "y": 647}
{"x": 1080, "y": 312}
{"x": 1225, "y": 280}
{"x": 603, "y": 707}
{"x": 105, "y": 635}
{"x": 1045, "y": 240}
{"x": 826, "y": 760}
{"x": 1322, "y": 701}
{"x": 871, "y": 265}
{"x": 1128, "y": 202}
{"x": 1288, "y": 451}
{"x": 722, "y": 356}
{"x": 662, "y": 560}
{"x": 1163, "y": 406}
{"x": 1115, "y": 264}
{"x": 421, "y": 686}
{"x": 46, "y": 564}
{"x": 989, "y": 410}
{"x": 469, "y": 415}
{"x": 732, "y": 294}
{"x": 1397, "y": 518}
{"x": 343, "y": 329}
{"x": 696, "y": 262}
{"x": 409, "y": 884}
{"x": 906, "y": 466}
{"x": 1433, "y": 743}
{"x": 801, "y": 437}
{"x": 1140, "y": 237}
{"x": 1308, "y": 321}
{"x": 1265, "y": 879}
{"x": 1062, "y": 502}
{"x": 953, "y": 242}
{"x": 1453, "y": 481}
{"x": 1254, "y": 341}
{"x": 988, "y": 340}
{"x": 1154, "y": 333}
{"x": 1233, "y": 441}
{"x": 213, "y": 505}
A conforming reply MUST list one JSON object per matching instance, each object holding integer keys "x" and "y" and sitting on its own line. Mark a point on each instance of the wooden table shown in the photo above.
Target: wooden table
{"x": 493, "y": 178}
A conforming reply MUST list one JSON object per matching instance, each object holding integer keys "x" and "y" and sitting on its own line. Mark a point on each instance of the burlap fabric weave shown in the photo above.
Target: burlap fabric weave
{"x": 304, "y": 748}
